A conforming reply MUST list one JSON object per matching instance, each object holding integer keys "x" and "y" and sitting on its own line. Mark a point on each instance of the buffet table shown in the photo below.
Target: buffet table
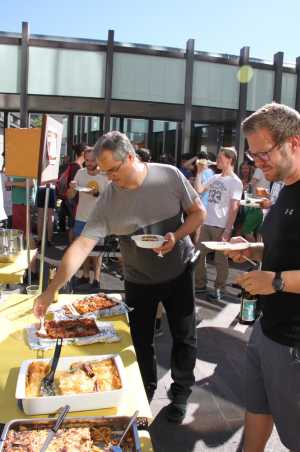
{"x": 13, "y": 272}
{"x": 15, "y": 314}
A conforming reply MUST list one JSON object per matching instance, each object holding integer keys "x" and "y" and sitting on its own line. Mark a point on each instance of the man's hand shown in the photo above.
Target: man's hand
{"x": 73, "y": 184}
{"x": 41, "y": 304}
{"x": 168, "y": 245}
{"x": 257, "y": 282}
{"x": 201, "y": 165}
{"x": 225, "y": 236}
{"x": 238, "y": 255}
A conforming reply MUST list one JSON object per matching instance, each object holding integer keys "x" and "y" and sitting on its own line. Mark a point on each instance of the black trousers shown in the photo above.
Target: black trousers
{"x": 177, "y": 297}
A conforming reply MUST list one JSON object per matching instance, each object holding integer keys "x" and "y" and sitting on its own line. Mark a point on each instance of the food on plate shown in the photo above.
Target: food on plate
{"x": 69, "y": 328}
{"x": 93, "y": 185}
{"x": 91, "y": 304}
{"x": 80, "y": 377}
{"x": 150, "y": 238}
{"x": 261, "y": 191}
{"x": 67, "y": 440}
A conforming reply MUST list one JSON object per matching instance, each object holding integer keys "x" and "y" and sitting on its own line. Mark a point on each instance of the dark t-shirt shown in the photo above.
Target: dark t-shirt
{"x": 281, "y": 236}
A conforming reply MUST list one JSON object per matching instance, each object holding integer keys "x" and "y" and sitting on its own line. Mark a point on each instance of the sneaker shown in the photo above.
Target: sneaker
{"x": 175, "y": 412}
{"x": 202, "y": 289}
{"x": 215, "y": 296}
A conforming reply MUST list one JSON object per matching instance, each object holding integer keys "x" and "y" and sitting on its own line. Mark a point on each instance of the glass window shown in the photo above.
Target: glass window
{"x": 166, "y": 141}
{"x": 1, "y": 138}
{"x": 137, "y": 131}
{"x": 87, "y": 129}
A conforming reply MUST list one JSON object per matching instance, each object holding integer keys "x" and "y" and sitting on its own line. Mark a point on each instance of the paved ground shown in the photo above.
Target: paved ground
{"x": 215, "y": 411}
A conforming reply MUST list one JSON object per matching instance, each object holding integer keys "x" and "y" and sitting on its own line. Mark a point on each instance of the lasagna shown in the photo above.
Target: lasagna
{"x": 81, "y": 377}
{"x": 69, "y": 328}
{"x": 65, "y": 440}
{"x": 92, "y": 304}
{"x": 82, "y": 438}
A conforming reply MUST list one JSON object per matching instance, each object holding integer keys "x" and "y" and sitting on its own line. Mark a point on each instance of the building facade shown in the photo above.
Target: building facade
{"x": 173, "y": 101}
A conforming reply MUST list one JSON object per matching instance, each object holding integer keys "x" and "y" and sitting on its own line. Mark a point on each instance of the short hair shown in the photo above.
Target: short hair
{"x": 116, "y": 142}
{"x": 280, "y": 120}
{"x": 88, "y": 149}
{"x": 202, "y": 154}
{"x": 230, "y": 152}
{"x": 79, "y": 149}
{"x": 143, "y": 154}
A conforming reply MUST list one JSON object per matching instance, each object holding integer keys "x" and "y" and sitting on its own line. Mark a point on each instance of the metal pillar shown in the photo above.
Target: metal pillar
{"x": 297, "y": 102}
{"x": 108, "y": 79}
{"x": 242, "y": 111}
{"x": 278, "y": 68}
{"x": 188, "y": 91}
{"x": 24, "y": 124}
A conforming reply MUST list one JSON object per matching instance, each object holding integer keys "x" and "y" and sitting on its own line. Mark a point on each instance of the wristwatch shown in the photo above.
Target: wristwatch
{"x": 278, "y": 283}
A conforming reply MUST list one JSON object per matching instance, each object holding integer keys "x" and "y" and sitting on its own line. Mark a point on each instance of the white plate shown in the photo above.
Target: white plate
{"x": 250, "y": 203}
{"x": 77, "y": 402}
{"x": 144, "y": 240}
{"x": 84, "y": 189}
{"x": 216, "y": 246}
{"x": 228, "y": 246}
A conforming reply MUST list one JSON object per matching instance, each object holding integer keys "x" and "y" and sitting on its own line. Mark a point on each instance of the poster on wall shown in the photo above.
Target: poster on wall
{"x": 51, "y": 139}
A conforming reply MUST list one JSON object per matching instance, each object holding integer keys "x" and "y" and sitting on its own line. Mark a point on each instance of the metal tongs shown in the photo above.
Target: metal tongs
{"x": 47, "y": 384}
{"x": 117, "y": 448}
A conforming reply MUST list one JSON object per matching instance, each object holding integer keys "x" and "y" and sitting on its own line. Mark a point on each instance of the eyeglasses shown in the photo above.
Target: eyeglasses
{"x": 264, "y": 155}
{"x": 112, "y": 171}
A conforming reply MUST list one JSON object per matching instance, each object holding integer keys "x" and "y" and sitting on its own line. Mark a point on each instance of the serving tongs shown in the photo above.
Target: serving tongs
{"x": 118, "y": 448}
{"x": 47, "y": 384}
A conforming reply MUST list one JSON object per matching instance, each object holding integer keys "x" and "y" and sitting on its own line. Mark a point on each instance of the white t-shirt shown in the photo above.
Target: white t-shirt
{"x": 259, "y": 180}
{"x": 221, "y": 190}
{"x": 87, "y": 202}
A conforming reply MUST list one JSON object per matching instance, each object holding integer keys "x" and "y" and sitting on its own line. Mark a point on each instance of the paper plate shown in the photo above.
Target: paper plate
{"x": 148, "y": 240}
{"x": 84, "y": 189}
{"x": 228, "y": 246}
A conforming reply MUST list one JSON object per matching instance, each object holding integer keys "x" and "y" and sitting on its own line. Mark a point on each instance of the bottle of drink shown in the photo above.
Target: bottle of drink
{"x": 52, "y": 271}
{"x": 248, "y": 312}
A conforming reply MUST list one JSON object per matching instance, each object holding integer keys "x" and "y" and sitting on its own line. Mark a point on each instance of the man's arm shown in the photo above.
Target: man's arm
{"x": 72, "y": 260}
{"x": 260, "y": 282}
{"x": 233, "y": 210}
{"x": 195, "y": 216}
{"x": 71, "y": 192}
{"x": 199, "y": 187}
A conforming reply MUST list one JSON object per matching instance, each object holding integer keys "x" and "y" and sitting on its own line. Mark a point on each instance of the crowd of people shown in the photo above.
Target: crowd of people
{"x": 199, "y": 202}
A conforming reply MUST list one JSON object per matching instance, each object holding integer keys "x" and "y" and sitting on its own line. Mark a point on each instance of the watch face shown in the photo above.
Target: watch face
{"x": 278, "y": 284}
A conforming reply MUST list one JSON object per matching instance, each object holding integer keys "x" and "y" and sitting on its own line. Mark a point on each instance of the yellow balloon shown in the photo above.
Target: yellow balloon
{"x": 245, "y": 74}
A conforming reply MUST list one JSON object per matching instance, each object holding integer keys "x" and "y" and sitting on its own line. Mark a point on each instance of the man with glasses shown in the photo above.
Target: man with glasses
{"x": 146, "y": 198}
{"x": 273, "y": 352}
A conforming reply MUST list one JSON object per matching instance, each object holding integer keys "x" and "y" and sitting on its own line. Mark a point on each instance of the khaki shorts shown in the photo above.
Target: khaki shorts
{"x": 273, "y": 384}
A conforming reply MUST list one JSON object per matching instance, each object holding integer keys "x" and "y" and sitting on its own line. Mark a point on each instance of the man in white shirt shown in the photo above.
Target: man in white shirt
{"x": 224, "y": 195}
{"x": 90, "y": 183}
